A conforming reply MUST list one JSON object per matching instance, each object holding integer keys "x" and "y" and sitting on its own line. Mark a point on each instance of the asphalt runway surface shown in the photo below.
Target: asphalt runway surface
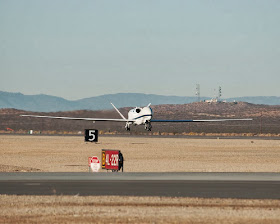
{"x": 203, "y": 185}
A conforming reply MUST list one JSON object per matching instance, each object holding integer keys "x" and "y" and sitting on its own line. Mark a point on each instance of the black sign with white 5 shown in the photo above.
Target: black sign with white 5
{"x": 91, "y": 135}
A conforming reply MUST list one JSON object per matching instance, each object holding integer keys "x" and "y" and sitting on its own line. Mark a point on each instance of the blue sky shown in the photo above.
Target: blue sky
{"x": 77, "y": 49}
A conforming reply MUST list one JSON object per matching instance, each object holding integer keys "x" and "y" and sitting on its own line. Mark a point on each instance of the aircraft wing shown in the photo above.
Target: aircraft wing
{"x": 78, "y": 118}
{"x": 214, "y": 120}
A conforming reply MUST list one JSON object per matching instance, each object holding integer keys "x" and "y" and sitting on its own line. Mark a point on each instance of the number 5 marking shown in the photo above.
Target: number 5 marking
{"x": 91, "y": 135}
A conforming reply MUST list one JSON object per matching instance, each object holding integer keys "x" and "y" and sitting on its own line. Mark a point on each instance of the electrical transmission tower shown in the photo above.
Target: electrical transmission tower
{"x": 220, "y": 93}
{"x": 197, "y": 92}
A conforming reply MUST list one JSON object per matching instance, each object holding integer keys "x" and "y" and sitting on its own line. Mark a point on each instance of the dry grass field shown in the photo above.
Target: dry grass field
{"x": 113, "y": 209}
{"x": 70, "y": 154}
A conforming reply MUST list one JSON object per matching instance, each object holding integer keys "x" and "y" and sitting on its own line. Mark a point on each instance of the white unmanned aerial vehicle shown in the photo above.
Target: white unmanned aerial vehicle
{"x": 136, "y": 116}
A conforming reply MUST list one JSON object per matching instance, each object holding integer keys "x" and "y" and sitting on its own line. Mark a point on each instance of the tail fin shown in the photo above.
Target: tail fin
{"x": 119, "y": 112}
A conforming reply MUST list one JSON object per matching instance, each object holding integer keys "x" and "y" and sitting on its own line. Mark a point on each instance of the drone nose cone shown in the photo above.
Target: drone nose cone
{"x": 147, "y": 112}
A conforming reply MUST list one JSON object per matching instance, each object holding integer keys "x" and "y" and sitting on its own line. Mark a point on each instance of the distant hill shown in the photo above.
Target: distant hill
{"x": 266, "y": 100}
{"x": 41, "y": 103}
{"x": 47, "y": 103}
{"x": 266, "y": 119}
{"x": 131, "y": 100}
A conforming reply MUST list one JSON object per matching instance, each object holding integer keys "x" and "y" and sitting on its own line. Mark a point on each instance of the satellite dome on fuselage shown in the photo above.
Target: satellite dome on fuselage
{"x": 140, "y": 115}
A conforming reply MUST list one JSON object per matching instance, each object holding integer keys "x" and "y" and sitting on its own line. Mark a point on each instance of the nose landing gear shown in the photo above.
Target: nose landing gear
{"x": 148, "y": 126}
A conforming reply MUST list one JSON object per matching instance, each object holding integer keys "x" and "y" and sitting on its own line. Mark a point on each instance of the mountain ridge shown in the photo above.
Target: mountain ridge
{"x": 48, "y": 103}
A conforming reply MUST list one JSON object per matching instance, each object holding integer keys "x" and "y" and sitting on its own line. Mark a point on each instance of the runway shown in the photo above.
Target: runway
{"x": 203, "y": 185}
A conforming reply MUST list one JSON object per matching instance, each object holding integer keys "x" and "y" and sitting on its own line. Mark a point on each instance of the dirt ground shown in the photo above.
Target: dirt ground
{"x": 70, "y": 154}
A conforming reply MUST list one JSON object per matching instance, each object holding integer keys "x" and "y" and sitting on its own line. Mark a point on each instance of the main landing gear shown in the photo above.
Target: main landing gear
{"x": 148, "y": 126}
{"x": 127, "y": 127}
